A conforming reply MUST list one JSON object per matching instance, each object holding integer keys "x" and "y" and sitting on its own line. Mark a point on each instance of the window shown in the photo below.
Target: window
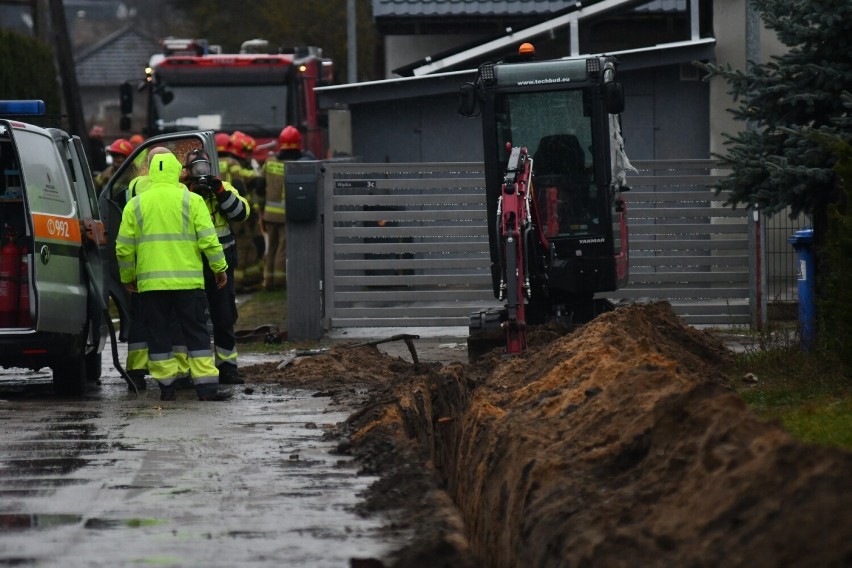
{"x": 45, "y": 179}
{"x": 556, "y": 129}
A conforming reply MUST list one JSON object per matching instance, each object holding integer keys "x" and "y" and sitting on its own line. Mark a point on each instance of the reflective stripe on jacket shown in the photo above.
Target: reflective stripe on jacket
{"x": 163, "y": 232}
{"x": 274, "y": 208}
{"x": 231, "y": 207}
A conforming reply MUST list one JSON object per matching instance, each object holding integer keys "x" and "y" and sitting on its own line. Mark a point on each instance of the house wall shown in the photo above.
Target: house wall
{"x": 415, "y": 130}
{"x": 664, "y": 119}
{"x": 664, "y": 116}
{"x": 729, "y": 29}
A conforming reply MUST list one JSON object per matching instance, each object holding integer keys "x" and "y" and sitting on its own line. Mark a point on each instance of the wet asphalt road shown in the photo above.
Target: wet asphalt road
{"x": 116, "y": 480}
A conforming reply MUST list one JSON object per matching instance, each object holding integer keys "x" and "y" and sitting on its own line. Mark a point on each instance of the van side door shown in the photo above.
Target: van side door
{"x": 60, "y": 289}
{"x": 115, "y": 195}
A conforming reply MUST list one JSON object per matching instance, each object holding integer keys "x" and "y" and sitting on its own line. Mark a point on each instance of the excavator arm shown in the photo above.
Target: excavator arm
{"x": 520, "y": 234}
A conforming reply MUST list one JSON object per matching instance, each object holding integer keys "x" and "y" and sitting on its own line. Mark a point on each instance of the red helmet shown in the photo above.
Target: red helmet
{"x": 290, "y": 138}
{"x": 242, "y": 144}
{"x": 136, "y": 139}
{"x": 121, "y": 146}
{"x": 222, "y": 141}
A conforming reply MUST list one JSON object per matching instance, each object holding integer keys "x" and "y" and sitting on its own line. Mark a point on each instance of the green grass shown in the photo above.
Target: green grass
{"x": 263, "y": 308}
{"x": 807, "y": 391}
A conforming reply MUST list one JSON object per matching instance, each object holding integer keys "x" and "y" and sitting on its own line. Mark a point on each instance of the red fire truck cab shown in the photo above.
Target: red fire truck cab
{"x": 192, "y": 86}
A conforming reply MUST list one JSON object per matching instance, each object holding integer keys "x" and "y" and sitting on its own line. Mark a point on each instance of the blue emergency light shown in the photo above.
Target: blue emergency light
{"x": 22, "y": 108}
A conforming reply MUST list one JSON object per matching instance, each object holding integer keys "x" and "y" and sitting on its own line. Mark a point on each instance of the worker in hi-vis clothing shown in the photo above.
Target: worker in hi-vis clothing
{"x": 136, "y": 364}
{"x": 163, "y": 233}
{"x": 227, "y": 208}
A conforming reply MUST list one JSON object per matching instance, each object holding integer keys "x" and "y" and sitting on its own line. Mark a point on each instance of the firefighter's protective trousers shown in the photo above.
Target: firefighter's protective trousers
{"x": 159, "y": 245}
{"x": 275, "y": 262}
{"x": 223, "y": 312}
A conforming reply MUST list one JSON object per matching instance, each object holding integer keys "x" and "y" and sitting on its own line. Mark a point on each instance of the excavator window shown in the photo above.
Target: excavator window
{"x": 555, "y": 126}
{"x": 565, "y": 192}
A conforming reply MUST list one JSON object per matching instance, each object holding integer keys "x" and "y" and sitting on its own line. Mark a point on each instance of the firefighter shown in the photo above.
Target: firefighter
{"x": 119, "y": 150}
{"x": 271, "y": 190}
{"x": 226, "y": 208}
{"x": 96, "y": 151}
{"x": 250, "y": 242}
{"x": 229, "y": 166}
{"x": 163, "y": 233}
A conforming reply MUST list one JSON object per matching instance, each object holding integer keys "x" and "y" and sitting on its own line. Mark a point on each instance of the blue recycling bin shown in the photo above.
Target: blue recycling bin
{"x": 802, "y": 241}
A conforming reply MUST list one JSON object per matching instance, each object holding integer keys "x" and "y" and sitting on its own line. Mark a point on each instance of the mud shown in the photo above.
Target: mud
{"x": 616, "y": 444}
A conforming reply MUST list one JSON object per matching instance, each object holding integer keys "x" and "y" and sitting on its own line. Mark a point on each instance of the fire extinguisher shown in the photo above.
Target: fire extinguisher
{"x": 24, "y": 318}
{"x": 10, "y": 270}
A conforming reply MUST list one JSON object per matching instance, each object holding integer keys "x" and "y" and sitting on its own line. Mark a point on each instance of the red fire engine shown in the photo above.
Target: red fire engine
{"x": 191, "y": 85}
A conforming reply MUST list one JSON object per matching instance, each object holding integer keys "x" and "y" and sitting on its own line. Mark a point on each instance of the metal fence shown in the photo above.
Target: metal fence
{"x": 407, "y": 245}
{"x": 780, "y": 261}
{"x": 686, "y": 246}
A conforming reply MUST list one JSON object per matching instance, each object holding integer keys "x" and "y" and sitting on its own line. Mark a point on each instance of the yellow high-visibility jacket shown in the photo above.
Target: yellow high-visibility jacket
{"x": 163, "y": 233}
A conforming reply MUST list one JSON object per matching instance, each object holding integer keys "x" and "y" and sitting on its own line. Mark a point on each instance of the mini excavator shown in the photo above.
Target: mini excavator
{"x": 555, "y": 171}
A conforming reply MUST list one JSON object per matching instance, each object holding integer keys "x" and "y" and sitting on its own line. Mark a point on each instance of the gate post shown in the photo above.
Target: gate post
{"x": 303, "y": 202}
{"x": 757, "y": 268}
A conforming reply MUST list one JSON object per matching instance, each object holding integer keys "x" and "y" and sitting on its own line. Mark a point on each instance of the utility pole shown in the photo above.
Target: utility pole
{"x": 352, "y": 48}
{"x": 67, "y": 73}
{"x": 41, "y": 21}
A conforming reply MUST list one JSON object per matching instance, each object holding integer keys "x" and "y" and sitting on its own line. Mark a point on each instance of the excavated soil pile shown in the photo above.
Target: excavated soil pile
{"x": 615, "y": 445}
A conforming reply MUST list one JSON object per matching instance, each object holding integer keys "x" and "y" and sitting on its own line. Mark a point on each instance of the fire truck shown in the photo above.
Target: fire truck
{"x": 191, "y": 85}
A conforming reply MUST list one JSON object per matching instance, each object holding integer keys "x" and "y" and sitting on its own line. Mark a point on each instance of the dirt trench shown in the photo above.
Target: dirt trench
{"x": 615, "y": 445}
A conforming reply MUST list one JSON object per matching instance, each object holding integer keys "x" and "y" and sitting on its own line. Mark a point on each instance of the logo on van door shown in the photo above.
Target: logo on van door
{"x": 53, "y": 227}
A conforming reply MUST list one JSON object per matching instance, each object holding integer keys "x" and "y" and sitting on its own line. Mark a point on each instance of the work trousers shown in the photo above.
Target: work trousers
{"x": 223, "y": 311}
{"x": 159, "y": 309}
{"x": 137, "y": 340}
{"x": 137, "y": 343}
{"x": 275, "y": 264}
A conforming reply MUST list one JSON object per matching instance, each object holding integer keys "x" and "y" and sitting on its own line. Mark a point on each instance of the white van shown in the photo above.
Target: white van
{"x": 51, "y": 241}
{"x": 58, "y": 270}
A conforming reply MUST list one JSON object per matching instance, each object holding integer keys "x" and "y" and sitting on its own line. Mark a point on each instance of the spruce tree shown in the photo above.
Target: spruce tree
{"x": 778, "y": 163}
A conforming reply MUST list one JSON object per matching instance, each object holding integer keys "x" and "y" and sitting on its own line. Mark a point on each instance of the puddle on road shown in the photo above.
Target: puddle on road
{"x": 121, "y": 523}
{"x": 41, "y": 467}
{"x": 18, "y": 521}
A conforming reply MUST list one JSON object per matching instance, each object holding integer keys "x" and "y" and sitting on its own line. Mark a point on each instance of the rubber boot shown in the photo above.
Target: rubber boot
{"x": 212, "y": 392}
{"x": 183, "y": 383}
{"x": 229, "y": 375}
{"x": 138, "y": 379}
{"x": 167, "y": 392}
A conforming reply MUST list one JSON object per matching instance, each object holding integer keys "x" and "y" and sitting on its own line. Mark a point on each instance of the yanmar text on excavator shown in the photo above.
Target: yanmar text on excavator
{"x": 555, "y": 170}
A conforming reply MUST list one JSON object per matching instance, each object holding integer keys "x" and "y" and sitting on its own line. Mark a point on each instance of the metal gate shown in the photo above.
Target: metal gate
{"x": 407, "y": 245}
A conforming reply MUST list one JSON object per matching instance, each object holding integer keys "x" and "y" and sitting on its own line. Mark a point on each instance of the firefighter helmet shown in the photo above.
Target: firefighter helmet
{"x": 222, "y": 141}
{"x": 121, "y": 147}
{"x": 136, "y": 139}
{"x": 290, "y": 139}
{"x": 242, "y": 144}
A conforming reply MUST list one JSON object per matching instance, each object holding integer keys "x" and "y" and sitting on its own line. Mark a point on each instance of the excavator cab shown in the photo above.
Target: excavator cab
{"x": 554, "y": 160}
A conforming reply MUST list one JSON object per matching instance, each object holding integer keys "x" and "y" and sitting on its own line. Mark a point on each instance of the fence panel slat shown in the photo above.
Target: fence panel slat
{"x": 407, "y": 244}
